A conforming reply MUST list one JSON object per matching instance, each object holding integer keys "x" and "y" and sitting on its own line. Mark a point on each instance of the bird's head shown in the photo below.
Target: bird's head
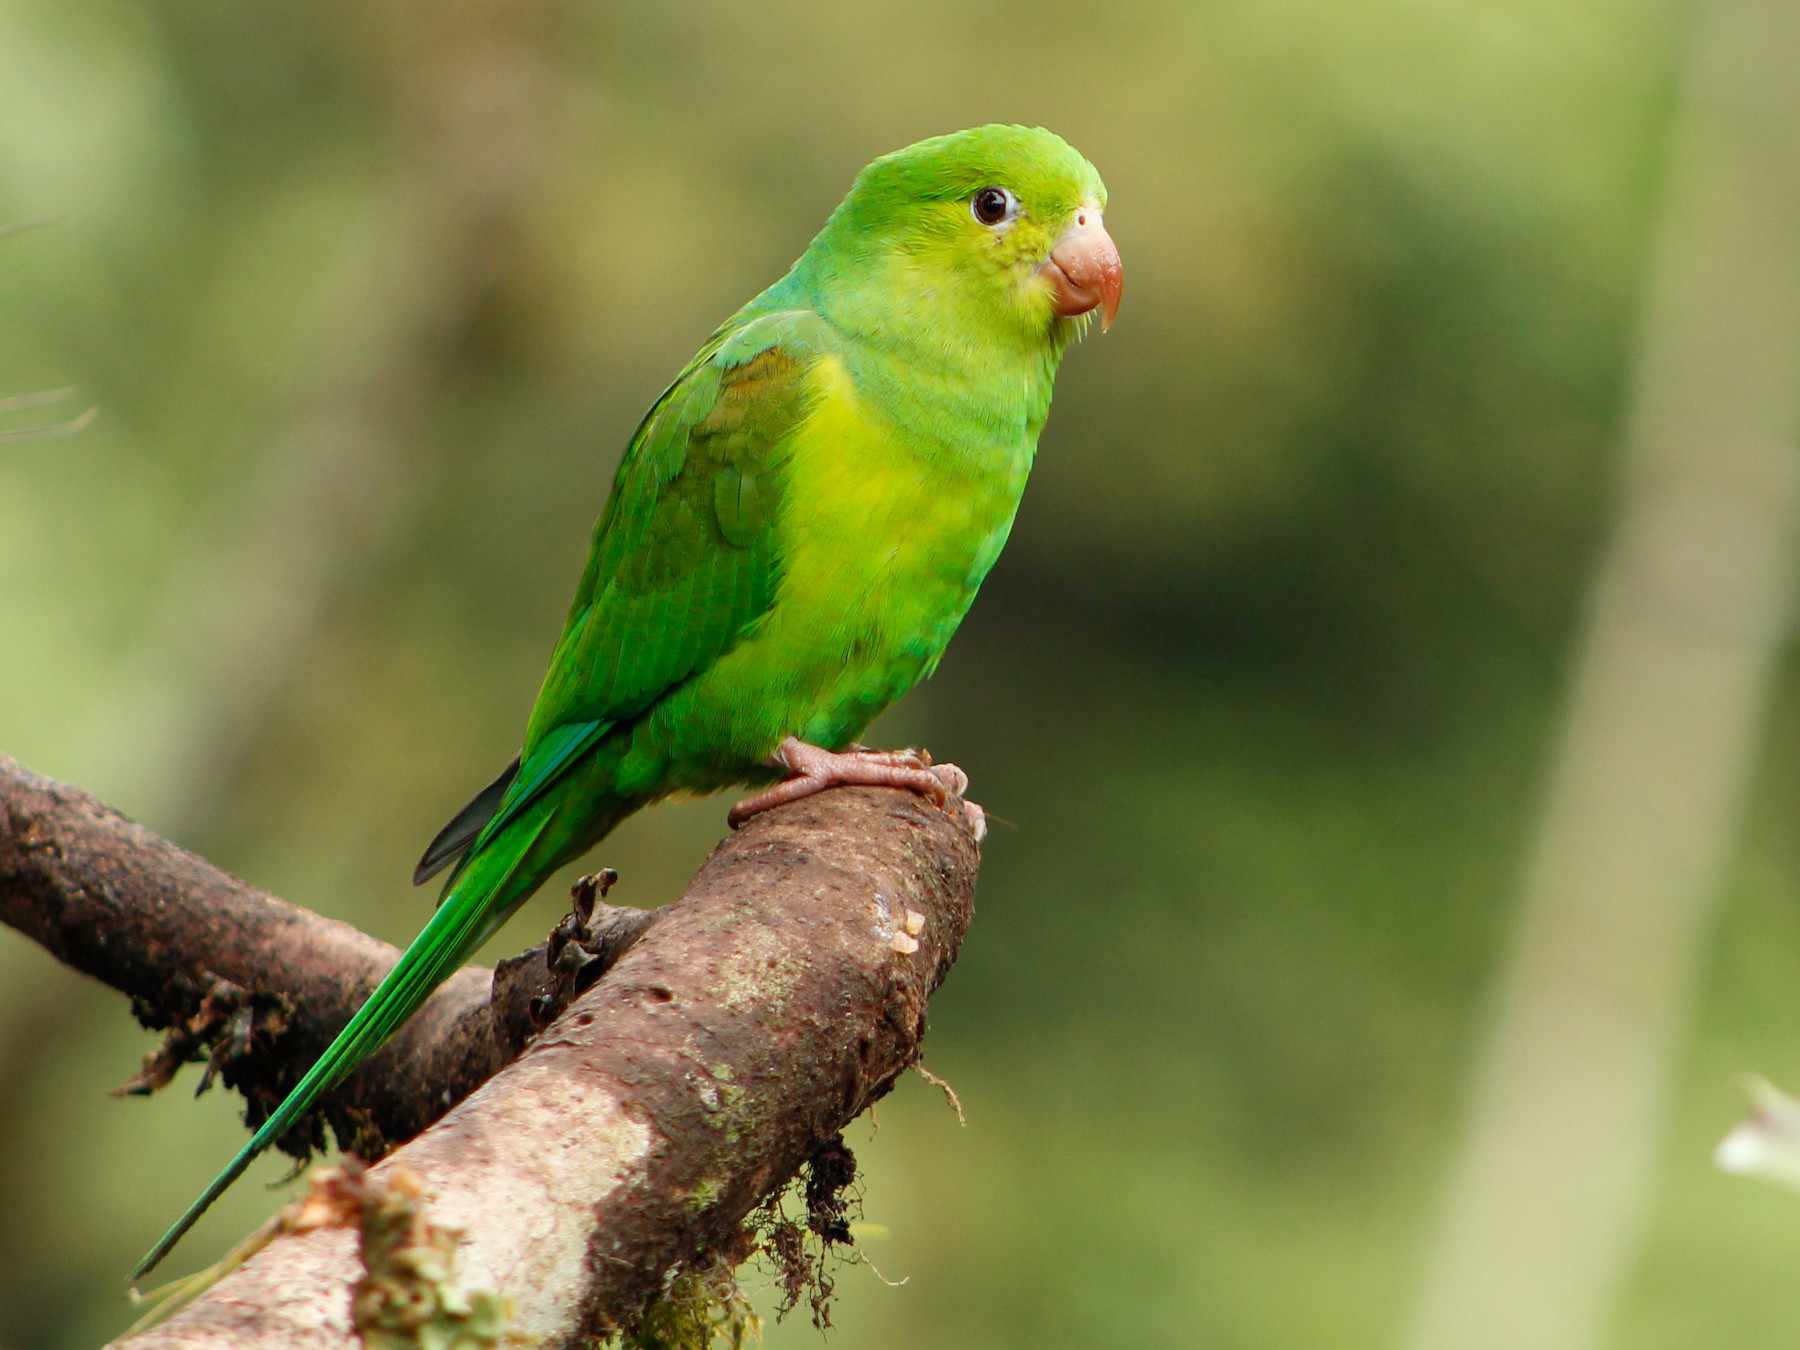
{"x": 997, "y": 230}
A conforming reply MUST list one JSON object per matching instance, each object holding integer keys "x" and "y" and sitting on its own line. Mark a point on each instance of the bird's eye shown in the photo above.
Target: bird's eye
{"x": 993, "y": 206}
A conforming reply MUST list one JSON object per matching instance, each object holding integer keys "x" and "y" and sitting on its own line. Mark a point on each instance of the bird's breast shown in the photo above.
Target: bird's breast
{"x": 885, "y": 533}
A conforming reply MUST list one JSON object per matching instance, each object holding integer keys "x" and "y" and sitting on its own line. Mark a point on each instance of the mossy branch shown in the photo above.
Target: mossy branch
{"x": 781, "y": 995}
{"x": 251, "y": 985}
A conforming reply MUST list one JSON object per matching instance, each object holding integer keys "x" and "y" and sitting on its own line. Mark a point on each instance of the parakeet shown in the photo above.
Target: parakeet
{"x": 797, "y": 527}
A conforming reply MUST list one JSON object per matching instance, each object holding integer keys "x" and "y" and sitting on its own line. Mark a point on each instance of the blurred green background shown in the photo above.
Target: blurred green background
{"x": 1265, "y": 689}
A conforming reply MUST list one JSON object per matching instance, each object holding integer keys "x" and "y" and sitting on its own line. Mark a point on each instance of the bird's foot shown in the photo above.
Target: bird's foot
{"x": 814, "y": 769}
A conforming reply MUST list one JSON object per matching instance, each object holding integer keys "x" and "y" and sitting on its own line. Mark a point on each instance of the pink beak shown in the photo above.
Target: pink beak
{"x": 1084, "y": 270}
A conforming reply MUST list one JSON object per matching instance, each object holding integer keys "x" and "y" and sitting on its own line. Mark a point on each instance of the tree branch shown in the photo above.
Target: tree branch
{"x": 780, "y": 996}
{"x": 250, "y": 983}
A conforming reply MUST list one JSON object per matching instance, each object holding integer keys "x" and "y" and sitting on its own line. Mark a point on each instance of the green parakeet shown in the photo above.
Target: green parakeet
{"x": 796, "y": 529}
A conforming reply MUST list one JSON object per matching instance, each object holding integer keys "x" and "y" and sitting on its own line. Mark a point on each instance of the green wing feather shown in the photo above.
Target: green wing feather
{"x": 683, "y": 564}
{"x": 684, "y": 556}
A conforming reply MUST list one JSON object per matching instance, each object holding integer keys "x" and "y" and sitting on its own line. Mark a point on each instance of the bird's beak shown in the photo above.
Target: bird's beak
{"x": 1084, "y": 270}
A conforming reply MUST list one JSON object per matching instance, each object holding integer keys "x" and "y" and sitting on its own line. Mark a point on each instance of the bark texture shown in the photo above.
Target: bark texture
{"x": 734, "y": 1039}
{"x": 250, "y": 983}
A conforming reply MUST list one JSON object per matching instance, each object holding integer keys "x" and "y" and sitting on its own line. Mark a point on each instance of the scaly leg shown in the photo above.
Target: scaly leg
{"x": 816, "y": 769}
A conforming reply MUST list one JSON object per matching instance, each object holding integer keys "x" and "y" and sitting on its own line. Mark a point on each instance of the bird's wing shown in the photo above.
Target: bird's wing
{"x": 684, "y": 559}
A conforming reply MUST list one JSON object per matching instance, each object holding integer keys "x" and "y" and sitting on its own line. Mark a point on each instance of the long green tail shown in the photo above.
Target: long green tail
{"x": 488, "y": 890}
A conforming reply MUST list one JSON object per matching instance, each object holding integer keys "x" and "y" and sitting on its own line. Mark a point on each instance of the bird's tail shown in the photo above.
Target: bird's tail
{"x": 492, "y": 885}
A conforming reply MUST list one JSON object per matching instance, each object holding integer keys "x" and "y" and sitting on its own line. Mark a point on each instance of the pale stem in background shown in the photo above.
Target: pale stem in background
{"x": 244, "y": 599}
{"x": 1548, "y": 1194}
{"x": 38, "y": 400}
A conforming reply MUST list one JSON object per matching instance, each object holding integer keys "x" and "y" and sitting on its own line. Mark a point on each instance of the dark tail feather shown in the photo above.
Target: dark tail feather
{"x": 454, "y": 839}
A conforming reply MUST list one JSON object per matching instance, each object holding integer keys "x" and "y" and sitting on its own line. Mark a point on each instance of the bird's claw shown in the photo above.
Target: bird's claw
{"x": 955, "y": 781}
{"x": 814, "y": 769}
{"x": 909, "y": 758}
{"x": 975, "y": 818}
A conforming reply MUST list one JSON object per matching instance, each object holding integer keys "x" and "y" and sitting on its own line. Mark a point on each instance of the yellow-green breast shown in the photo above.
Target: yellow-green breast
{"x": 884, "y": 539}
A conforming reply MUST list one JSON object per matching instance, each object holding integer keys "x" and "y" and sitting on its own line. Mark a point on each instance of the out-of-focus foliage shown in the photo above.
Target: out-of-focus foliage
{"x": 370, "y": 297}
{"x": 1767, "y": 1143}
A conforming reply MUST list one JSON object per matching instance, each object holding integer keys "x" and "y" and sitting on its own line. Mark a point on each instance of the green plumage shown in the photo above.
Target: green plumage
{"x": 796, "y": 529}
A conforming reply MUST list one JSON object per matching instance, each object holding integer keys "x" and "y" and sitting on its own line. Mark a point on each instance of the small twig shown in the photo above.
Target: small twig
{"x": 945, "y": 1088}
{"x": 37, "y": 400}
{"x": 50, "y": 432}
{"x": 29, "y": 223}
